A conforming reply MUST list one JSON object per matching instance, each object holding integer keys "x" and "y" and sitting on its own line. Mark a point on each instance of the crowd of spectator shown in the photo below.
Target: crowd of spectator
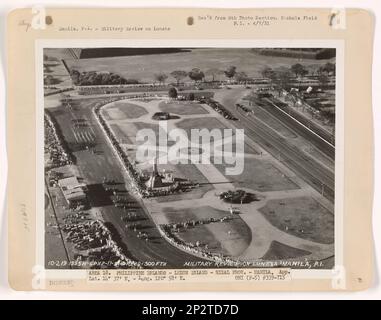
{"x": 130, "y": 169}
{"x": 195, "y": 248}
{"x": 50, "y": 90}
{"x": 54, "y": 145}
{"x": 243, "y": 108}
{"x": 178, "y": 226}
{"x": 95, "y": 238}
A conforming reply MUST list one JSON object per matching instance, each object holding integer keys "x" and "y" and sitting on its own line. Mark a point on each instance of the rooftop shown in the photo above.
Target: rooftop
{"x": 72, "y": 189}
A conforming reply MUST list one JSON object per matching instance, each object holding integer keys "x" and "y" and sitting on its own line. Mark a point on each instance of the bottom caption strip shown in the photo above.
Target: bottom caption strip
{"x": 138, "y": 276}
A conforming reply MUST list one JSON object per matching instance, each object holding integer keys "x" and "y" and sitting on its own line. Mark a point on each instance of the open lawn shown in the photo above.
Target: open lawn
{"x": 248, "y": 149}
{"x": 127, "y": 132}
{"x": 123, "y": 110}
{"x": 121, "y": 133}
{"x": 203, "y": 123}
{"x": 280, "y": 251}
{"x": 302, "y": 217}
{"x": 260, "y": 175}
{"x": 229, "y": 237}
{"x": 182, "y": 108}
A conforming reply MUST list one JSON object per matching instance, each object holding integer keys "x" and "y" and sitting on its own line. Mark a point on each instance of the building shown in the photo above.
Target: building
{"x": 73, "y": 191}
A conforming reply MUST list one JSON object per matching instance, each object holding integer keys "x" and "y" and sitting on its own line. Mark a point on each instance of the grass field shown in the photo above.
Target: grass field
{"x": 127, "y": 132}
{"x": 280, "y": 251}
{"x": 182, "y": 108}
{"x": 121, "y": 134}
{"x": 303, "y": 217}
{"x": 248, "y": 149}
{"x": 203, "y": 123}
{"x": 260, "y": 175}
{"x": 123, "y": 110}
{"x": 144, "y": 67}
{"x": 230, "y": 237}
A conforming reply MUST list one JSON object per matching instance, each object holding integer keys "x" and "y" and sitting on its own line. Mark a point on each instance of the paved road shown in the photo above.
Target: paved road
{"x": 313, "y": 172}
{"x": 321, "y": 139}
{"x": 103, "y": 163}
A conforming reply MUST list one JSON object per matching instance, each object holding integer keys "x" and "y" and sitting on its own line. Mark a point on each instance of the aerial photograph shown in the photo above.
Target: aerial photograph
{"x": 189, "y": 158}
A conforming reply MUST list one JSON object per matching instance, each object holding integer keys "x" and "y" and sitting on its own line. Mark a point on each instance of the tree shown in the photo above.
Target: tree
{"x": 93, "y": 78}
{"x": 172, "y": 93}
{"x": 105, "y": 77}
{"x": 213, "y": 72}
{"x": 291, "y": 98}
{"x": 75, "y": 76}
{"x": 267, "y": 72}
{"x": 241, "y": 76}
{"x": 179, "y": 75}
{"x": 47, "y": 69}
{"x": 282, "y": 80}
{"x": 50, "y": 80}
{"x": 230, "y": 72}
{"x": 323, "y": 80}
{"x": 161, "y": 77}
{"x": 47, "y": 58}
{"x": 304, "y": 72}
{"x": 298, "y": 69}
{"x": 196, "y": 74}
{"x": 116, "y": 79}
{"x": 330, "y": 68}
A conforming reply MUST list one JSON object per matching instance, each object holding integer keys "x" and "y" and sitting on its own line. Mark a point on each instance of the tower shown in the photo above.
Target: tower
{"x": 155, "y": 181}
{"x": 154, "y": 167}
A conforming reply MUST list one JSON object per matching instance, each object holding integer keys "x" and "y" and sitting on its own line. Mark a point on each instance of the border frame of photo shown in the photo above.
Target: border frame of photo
{"x": 354, "y": 272}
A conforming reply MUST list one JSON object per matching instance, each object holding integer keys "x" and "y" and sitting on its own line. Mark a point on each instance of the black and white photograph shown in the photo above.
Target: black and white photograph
{"x": 189, "y": 157}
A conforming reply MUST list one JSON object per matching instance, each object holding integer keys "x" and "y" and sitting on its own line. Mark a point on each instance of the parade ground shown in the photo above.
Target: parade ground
{"x": 251, "y": 234}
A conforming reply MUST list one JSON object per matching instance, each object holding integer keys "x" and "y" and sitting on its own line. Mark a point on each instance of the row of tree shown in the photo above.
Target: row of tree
{"x": 297, "y": 70}
{"x": 93, "y": 78}
{"x": 197, "y": 74}
{"x": 282, "y": 78}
